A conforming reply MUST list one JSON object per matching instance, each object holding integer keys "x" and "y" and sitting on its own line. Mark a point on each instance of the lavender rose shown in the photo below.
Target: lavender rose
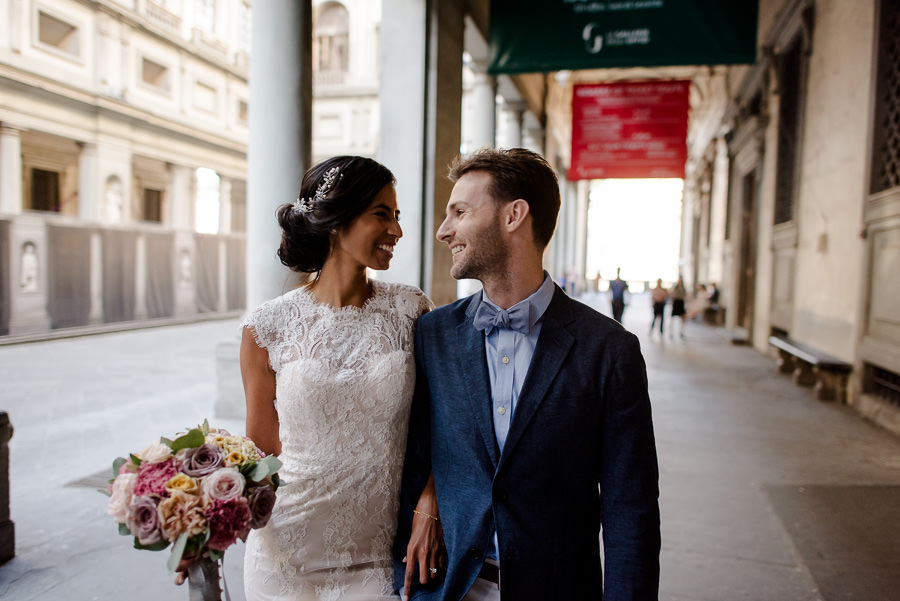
{"x": 143, "y": 521}
{"x": 224, "y": 484}
{"x": 201, "y": 461}
{"x": 262, "y": 501}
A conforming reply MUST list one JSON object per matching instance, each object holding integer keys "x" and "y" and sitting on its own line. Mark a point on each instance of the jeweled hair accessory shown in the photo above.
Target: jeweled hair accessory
{"x": 306, "y": 205}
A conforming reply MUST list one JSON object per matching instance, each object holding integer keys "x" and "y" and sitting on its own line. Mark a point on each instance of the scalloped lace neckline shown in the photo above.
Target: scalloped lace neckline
{"x": 378, "y": 290}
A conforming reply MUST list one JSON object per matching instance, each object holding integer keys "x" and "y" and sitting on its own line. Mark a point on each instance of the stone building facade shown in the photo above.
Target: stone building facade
{"x": 123, "y": 136}
{"x": 792, "y": 199}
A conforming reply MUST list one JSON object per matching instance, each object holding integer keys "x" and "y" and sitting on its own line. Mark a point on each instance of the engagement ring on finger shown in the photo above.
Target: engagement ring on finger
{"x": 433, "y": 571}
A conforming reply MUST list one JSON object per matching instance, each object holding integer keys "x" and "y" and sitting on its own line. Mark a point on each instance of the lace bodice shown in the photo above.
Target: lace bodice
{"x": 344, "y": 383}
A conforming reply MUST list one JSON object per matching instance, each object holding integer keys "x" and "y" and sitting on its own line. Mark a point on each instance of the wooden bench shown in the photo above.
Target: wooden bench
{"x": 811, "y": 367}
{"x": 714, "y": 315}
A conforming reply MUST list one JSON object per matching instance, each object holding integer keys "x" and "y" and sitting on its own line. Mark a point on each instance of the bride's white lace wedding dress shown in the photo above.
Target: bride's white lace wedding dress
{"x": 345, "y": 381}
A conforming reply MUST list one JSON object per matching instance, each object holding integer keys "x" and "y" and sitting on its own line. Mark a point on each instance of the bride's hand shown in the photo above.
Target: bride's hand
{"x": 425, "y": 550}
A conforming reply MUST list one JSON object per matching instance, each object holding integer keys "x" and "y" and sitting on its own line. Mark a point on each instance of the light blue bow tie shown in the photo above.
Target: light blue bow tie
{"x": 488, "y": 317}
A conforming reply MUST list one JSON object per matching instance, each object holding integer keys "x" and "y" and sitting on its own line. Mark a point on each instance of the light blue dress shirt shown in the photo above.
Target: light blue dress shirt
{"x": 509, "y": 355}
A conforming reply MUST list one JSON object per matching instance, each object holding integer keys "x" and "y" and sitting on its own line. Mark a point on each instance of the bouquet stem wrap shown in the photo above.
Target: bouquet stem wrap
{"x": 203, "y": 581}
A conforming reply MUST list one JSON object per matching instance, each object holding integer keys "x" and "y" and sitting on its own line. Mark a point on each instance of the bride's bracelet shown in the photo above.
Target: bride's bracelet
{"x": 427, "y": 515}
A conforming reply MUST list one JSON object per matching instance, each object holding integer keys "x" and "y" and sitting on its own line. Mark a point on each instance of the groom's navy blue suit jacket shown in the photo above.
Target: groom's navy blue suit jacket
{"x": 582, "y": 419}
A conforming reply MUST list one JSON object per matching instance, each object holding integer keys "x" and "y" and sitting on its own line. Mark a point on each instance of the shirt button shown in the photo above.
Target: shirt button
{"x": 505, "y": 359}
{"x": 502, "y": 410}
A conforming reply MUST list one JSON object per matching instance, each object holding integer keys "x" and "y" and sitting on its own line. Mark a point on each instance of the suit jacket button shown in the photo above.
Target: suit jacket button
{"x": 475, "y": 554}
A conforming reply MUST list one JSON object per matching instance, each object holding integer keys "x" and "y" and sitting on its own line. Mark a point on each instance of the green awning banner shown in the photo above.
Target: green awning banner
{"x": 553, "y": 35}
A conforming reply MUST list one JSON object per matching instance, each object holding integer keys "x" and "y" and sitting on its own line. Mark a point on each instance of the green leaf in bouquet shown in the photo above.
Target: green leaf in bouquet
{"x": 276, "y": 481}
{"x": 265, "y": 467}
{"x": 123, "y": 530}
{"x": 134, "y": 459}
{"x": 194, "y": 438}
{"x": 151, "y": 547}
{"x": 177, "y": 552}
{"x": 204, "y": 427}
{"x": 117, "y": 465}
{"x": 216, "y": 555}
{"x": 166, "y": 441}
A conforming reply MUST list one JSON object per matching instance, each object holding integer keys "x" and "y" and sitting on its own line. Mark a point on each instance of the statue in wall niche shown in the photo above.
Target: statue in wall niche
{"x": 185, "y": 268}
{"x": 113, "y": 200}
{"x": 28, "y": 268}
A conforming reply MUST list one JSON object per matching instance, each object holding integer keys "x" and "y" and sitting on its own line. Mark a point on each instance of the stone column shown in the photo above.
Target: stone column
{"x": 484, "y": 105}
{"x": 89, "y": 189}
{"x": 7, "y": 528}
{"x": 140, "y": 277}
{"x": 181, "y": 197}
{"x": 402, "y": 112}
{"x": 224, "y": 205}
{"x": 10, "y": 169}
{"x": 278, "y": 155}
{"x": 280, "y": 144}
{"x": 96, "y": 314}
{"x": 433, "y": 109}
{"x": 512, "y": 113}
{"x": 482, "y": 131}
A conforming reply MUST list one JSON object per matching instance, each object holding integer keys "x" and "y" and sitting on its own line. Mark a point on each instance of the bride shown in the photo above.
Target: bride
{"x": 328, "y": 375}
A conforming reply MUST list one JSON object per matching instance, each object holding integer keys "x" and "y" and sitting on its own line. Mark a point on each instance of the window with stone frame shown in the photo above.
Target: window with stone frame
{"x": 791, "y": 73}
{"x": 58, "y": 34}
{"x": 885, "y": 171}
{"x": 331, "y": 42}
{"x": 152, "y": 208}
{"x": 44, "y": 190}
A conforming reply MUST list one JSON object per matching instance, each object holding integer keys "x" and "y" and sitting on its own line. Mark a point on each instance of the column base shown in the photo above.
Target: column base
{"x": 229, "y": 386}
{"x": 7, "y": 541}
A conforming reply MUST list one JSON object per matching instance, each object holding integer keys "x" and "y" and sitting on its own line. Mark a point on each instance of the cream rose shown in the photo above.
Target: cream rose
{"x": 155, "y": 453}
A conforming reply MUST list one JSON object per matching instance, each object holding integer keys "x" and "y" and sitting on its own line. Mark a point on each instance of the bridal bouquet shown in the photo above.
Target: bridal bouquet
{"x": 199, "y": 493}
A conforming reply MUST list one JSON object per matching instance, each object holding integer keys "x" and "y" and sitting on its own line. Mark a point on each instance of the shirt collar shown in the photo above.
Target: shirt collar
{"x": 537, "y": 303}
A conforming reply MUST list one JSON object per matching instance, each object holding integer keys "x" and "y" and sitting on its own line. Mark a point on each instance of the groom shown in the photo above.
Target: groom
{"x": 531, "y": 413}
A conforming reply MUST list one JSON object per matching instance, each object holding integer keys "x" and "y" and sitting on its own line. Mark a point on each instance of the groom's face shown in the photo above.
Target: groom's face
{"x": 471, "y": 229}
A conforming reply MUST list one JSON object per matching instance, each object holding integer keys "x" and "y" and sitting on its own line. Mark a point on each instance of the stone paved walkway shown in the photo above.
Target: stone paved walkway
{"x": 766, "y": 493}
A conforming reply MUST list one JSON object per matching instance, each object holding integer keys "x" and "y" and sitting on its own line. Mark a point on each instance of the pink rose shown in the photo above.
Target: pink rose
{"x": 228, "y": 520}
{"x": 224, "y": 484}
{"x": 120, "y": 499}
{"x": 152, "y": 478}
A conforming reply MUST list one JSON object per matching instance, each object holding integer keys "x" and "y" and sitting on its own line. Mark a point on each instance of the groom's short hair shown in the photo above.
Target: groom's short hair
{"x": 517, "y": 173}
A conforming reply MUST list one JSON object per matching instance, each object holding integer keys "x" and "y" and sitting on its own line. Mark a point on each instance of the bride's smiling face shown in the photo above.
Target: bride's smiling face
{"x": 369, "y": 239}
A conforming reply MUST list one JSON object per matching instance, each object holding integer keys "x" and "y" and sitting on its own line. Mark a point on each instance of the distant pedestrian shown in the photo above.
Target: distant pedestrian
{"x": 658, "y": 296}
{"x": 713, "y": 296}
{"x": 678, "y": 294}
{"x": 617, "y": 289}
{"x": 699, "y": 304}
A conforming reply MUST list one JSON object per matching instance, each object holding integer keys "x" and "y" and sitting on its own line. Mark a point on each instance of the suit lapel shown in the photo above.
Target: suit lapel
{"x": 473, "y": 365}
{"x": 552, "y": 347}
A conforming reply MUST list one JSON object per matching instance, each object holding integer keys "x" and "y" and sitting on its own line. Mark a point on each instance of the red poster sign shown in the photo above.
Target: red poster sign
{"x": 629, "y": 130}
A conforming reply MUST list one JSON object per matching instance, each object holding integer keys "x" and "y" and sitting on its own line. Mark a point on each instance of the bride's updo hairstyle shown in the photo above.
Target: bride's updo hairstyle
{"x": 332, "y": 194}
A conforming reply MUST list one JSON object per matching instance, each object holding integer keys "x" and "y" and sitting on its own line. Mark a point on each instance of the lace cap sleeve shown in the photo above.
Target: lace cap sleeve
{"x": 266, "y": 323}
